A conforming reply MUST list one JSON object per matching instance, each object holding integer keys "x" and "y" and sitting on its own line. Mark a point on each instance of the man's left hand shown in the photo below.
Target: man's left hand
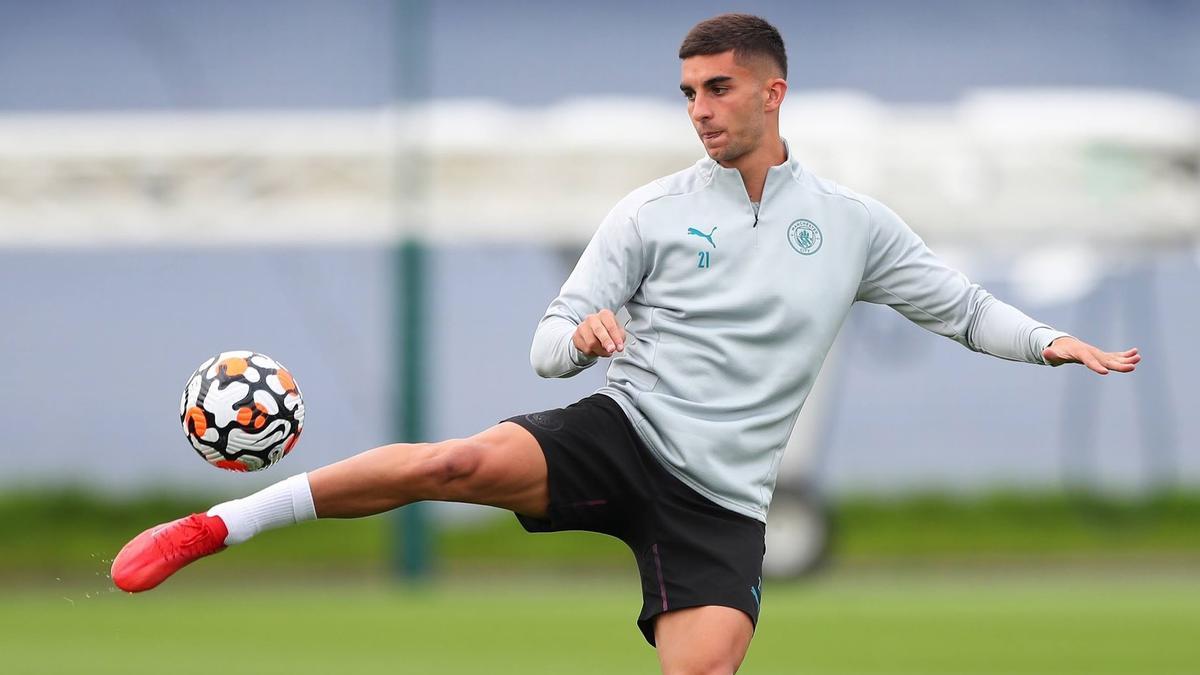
{"x": 1070, "y": 350}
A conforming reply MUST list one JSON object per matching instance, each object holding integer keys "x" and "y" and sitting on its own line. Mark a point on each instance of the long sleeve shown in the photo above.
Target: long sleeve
{"x": 903, "y": 273}
{"x": 606, "y": 276}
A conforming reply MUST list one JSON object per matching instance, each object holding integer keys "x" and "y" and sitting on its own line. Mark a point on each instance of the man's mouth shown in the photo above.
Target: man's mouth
{"x": 710, "y": 135}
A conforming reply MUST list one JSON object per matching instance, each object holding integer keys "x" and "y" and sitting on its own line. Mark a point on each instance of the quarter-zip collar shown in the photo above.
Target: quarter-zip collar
{"x": 712, "y": 171}
{"x": 725, "y": 178}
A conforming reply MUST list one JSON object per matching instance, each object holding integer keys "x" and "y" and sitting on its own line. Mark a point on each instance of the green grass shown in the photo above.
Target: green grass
{"x": 1063, "y": 585}
{"x": 1028, "y": 623}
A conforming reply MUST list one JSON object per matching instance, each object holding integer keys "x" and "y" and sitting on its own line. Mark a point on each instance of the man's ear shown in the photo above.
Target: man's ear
{"x": 776, "y": 90}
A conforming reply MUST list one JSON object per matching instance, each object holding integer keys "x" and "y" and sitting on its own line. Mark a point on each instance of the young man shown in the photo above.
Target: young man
{"x": 737, "y": 274}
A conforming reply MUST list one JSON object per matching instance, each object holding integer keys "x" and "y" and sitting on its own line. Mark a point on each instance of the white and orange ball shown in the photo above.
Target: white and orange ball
{"x": 242, "y": 411}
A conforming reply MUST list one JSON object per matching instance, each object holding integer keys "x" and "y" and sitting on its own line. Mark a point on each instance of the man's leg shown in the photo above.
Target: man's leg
{"x": 502, "y": 466}
{"x": 708, "y": 640}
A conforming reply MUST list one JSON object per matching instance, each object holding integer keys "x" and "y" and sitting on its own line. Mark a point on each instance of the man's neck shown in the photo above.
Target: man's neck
{"x": 754, "y": 165}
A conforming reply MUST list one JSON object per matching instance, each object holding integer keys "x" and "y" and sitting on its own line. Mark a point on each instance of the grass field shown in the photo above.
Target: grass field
{"x": 925, "y": 585}
{"x": 1060, "y": 622}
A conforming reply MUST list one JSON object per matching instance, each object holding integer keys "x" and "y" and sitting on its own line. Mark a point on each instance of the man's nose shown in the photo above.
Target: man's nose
{"x": 700, "y": 109}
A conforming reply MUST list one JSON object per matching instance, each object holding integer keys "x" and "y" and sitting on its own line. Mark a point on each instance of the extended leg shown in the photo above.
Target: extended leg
{"x": 502, "y": 466}
{"x": 708, "y": 640}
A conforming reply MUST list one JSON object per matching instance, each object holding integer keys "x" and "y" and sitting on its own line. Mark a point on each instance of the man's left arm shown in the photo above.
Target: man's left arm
{"x": 903, "y": 273}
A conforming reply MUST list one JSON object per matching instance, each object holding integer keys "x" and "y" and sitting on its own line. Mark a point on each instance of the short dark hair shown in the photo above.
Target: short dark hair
{"x": 745, "y": 34}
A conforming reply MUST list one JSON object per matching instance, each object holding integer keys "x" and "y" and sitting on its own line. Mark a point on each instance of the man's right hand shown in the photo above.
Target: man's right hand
{"x": 599, "y": 334}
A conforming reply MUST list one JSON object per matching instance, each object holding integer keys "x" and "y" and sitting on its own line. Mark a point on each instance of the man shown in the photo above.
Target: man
{"x": 737, "y": 274}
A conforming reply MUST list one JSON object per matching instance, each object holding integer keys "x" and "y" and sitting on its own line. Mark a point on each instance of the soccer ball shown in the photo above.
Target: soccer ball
{"x": 242, "y": 411}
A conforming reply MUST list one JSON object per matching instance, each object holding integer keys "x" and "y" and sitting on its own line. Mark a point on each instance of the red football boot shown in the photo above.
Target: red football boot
{"x": 152, "y": 556}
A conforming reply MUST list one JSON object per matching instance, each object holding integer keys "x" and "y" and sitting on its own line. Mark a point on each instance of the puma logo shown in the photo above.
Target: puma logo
{"x": 709, "y": 236}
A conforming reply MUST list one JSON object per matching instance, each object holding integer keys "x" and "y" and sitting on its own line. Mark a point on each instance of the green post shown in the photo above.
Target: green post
{"x": 411, "y": 559}
{"x": 412, "y": 549}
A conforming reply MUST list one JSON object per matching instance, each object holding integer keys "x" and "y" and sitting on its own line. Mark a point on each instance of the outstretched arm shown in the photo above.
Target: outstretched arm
{"x": 903, "y": 273}
{"x": 1071, "y": 350}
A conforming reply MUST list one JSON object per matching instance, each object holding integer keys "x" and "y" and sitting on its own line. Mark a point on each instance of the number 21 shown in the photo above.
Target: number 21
{"x": 704, "y": 260}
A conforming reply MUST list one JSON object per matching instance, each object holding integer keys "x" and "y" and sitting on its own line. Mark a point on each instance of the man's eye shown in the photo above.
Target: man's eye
{"x": 689, "y": 95}
{"x": 719, "y": 90}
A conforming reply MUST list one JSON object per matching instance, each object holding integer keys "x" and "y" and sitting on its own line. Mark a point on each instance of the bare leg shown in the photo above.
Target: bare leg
{"x": 502, "y": 466}
{"x": 709, "y": 640}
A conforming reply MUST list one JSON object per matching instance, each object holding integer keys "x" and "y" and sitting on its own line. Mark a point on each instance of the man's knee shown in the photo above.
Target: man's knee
{"x": 454, "y": 464}
{"x": 502, "y": 466}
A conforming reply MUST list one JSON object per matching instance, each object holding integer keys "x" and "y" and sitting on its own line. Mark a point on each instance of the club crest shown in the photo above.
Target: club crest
{"x": 805, "y": 237}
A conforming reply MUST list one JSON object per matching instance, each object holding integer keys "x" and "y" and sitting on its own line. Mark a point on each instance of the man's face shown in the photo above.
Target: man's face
{"x": 726, "y": 101}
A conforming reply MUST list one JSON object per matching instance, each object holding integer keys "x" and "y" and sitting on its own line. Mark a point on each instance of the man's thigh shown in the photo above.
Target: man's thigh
{"x": 702, "y": 640}
{"x": 509, "y": 471}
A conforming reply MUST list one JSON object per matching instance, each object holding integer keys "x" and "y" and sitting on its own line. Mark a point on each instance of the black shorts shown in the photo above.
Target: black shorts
{"x": 690, "y": 551}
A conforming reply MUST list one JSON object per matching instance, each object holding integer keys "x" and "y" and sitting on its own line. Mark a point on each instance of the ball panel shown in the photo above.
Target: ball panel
{"x": 264, "y": 398}
{"x": 223, "y": 402}
{"x": 196, "y": 422}
{"x": 232, "y": 465}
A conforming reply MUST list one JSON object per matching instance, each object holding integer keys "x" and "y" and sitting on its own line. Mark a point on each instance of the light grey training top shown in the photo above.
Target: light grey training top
{"x": 733, "y": 312}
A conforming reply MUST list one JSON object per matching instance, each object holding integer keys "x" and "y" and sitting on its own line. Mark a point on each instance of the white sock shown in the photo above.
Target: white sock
{"x": 285, "y": 503}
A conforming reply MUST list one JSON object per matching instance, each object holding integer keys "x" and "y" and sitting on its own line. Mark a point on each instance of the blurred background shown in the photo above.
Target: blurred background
{"x": 385, "y": 195}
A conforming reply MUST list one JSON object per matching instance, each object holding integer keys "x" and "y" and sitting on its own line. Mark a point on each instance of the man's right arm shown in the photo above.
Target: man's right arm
{"x": 579, "y": 325}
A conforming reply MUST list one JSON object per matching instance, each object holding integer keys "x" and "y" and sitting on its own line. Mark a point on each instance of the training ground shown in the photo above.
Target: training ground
{"x": 1055, "y": 622}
